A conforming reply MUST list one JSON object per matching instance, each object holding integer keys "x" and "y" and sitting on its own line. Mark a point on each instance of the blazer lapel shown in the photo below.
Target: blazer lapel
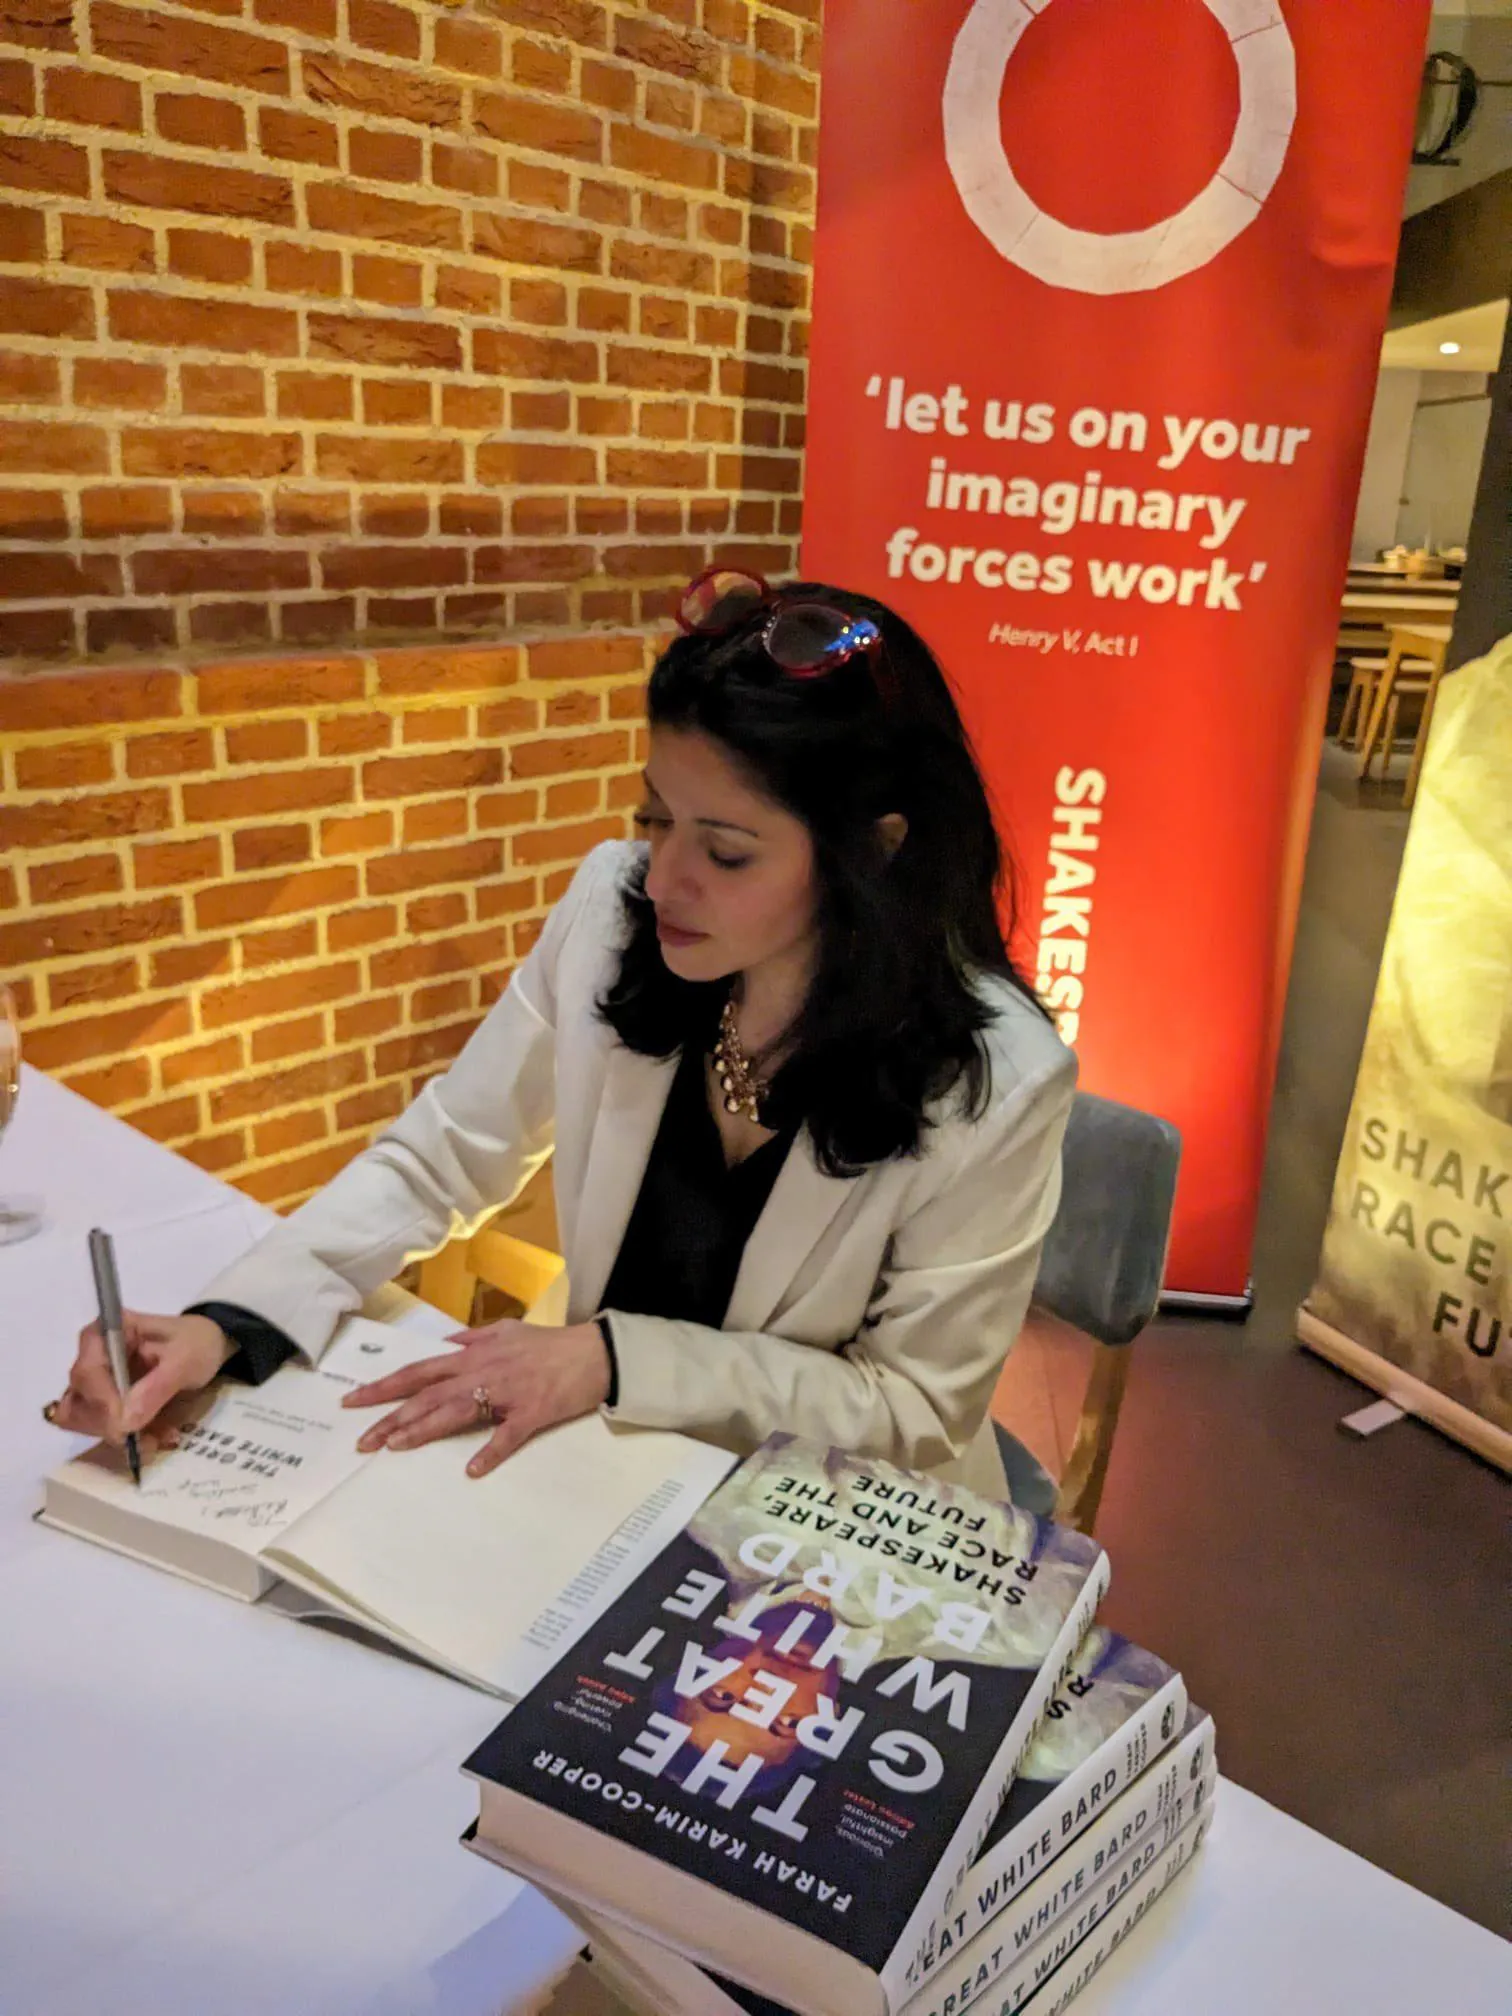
{"x": 630, "y": 1110}
{"x": 796, "y": 1217}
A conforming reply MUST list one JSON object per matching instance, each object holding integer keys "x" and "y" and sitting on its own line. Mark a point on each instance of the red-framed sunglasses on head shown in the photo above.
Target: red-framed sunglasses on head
{"x": 803, "y": 637}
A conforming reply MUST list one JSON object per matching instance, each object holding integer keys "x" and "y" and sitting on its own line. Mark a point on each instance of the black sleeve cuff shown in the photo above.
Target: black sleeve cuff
{"x": 607, "y": 1334}
{"x": 261, "y": 1347}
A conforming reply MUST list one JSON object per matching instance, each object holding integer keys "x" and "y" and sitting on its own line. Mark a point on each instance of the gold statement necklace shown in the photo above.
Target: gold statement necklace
{"x": 743, "y": 1089}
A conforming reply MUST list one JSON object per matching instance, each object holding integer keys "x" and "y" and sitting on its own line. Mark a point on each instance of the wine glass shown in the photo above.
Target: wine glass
{"x": 19, "y": 1216}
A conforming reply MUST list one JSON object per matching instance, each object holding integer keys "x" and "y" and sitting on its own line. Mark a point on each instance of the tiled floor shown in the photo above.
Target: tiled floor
{"x": 1339, "y": 1605}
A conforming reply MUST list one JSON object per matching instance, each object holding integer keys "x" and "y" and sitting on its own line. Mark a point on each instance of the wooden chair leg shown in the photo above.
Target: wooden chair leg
{"x": 1389, "y": 736}
{"x": 1362, "y": 686}
{"x": 1378, "y": 704}
{"x": 1351, "y": 709}
{"x": 1420, "y": 744}
{"x": 1369, "y": 684}
{"x": 1087, "y": 1466}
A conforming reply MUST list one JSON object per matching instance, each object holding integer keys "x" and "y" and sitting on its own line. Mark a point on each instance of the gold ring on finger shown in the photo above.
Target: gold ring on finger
{"x": 50, "y": 1413}
{"x": 488, "y": 1415}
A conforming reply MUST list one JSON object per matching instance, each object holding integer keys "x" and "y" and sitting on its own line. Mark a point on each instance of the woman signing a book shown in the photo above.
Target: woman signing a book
{"x": 805, "y": 1116}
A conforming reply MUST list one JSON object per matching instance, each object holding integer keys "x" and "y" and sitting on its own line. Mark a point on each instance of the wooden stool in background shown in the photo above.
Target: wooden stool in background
{"x": 1433, "y": 640}
{"x": 1365, "y": 675}
{"x": 1374, "y": 741}
{"x": 1404, "y": 688}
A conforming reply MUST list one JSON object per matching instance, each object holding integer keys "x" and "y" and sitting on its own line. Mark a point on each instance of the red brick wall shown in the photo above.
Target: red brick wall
{"x": 346, "y": 319}
{"x": 252, "y": 907}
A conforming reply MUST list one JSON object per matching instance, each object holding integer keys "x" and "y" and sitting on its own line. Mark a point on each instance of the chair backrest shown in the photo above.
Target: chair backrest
{"x": 529, "y": 1274}
{"x": 1104, "y": 1256}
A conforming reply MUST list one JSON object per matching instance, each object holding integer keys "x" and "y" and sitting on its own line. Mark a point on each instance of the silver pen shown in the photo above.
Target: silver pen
{"x": 112, "y": 1323}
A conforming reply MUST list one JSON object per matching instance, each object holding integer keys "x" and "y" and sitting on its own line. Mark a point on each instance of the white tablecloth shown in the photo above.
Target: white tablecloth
{"x": 204, "y": 1807}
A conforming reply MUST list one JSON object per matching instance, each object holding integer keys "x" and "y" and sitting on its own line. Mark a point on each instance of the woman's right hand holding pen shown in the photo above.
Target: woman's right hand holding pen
{"x": 166, "y": 1356}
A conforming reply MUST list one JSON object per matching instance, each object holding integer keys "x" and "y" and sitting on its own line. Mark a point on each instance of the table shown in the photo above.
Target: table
{"x": 208, "y": 1807}
{"x": 1386, "y": 605}
{"x": 1371, "y": 573}
{"x": 1430, "y": 641}
{"x": 204, "y": 1805}
{"x": 1382, "y": 567}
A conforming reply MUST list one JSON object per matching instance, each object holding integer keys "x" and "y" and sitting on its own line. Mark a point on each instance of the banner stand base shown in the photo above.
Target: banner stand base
{"x": 1192, "y": 1302}
{"x": 1462, "y": 1424}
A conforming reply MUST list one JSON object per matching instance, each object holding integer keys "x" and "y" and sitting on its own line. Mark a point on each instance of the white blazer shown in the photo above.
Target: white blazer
{"x": 873, "y": 1312}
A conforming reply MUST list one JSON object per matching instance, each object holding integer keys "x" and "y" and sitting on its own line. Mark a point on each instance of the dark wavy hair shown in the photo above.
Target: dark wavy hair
{"x": 892, "y": 1020}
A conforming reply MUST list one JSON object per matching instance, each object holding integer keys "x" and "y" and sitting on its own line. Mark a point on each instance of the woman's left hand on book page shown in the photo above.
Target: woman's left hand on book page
{"x": 520, "y": 1377}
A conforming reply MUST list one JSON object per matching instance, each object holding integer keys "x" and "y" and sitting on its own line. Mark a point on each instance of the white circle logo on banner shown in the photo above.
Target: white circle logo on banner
{"x": 1116, "y": 262}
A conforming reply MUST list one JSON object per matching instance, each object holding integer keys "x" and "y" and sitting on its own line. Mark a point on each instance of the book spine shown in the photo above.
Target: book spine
{"x": 1051, "y": 1996}
{"x": 1133, "y": 1836}
{"x": 1075, "y": 1804}
{"x": 977, "y": 1820}
{"x": 1081, "y": 1799}
{"x": 1052, "y": 1676}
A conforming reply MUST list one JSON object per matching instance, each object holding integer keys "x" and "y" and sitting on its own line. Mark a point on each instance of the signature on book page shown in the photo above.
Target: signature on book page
{"x": 266, "y": 1512}
{"x": 218, "y": 1497}
{"x": 205, "y": 1490}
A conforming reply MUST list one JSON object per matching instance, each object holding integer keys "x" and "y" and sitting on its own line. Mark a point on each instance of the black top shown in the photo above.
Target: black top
{"x": 681, "y": 1250}
{"x": 683, "y": 1245}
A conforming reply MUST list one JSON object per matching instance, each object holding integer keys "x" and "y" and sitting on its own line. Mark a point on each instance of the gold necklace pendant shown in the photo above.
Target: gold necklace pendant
{"x": 743, "y": 1090}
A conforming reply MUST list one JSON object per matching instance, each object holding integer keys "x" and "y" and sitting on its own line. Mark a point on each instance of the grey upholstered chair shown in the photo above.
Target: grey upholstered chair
{"x": 1100, "y": 1271}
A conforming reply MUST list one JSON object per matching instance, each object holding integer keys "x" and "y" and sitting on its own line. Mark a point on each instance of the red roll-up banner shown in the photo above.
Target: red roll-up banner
{"x": 1099, "y": 294}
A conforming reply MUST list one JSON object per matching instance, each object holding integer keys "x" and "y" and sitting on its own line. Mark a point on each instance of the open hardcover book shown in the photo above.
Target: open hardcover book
{"x": 488, "y": 1578}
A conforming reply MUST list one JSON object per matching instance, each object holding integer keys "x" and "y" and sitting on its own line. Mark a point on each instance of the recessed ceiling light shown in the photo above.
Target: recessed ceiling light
{"x": 1449, "y": 349}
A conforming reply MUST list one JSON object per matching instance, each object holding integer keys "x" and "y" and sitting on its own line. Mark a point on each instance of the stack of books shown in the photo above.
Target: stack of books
{"x": 803, "y": 1736}
{"x": 851, "y": 1744}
